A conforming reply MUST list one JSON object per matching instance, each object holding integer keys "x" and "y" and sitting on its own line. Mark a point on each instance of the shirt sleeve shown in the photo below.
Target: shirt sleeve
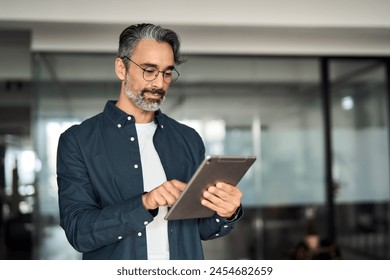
{"x": 217, "y": 226}
{"x": 87, "y": 225}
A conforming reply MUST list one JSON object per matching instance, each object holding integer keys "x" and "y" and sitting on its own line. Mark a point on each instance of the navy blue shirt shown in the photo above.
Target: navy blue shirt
{"x": 100, "y": 185}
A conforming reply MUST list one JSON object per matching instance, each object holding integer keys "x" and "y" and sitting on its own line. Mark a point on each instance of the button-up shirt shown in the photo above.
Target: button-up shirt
{"x": 100, "y": 187}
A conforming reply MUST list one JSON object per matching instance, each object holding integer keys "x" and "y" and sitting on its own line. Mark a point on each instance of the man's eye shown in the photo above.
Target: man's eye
{"x": 150, "y": 70}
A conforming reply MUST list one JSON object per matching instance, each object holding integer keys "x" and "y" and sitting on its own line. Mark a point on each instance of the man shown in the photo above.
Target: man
{"x": 119, "y": 171}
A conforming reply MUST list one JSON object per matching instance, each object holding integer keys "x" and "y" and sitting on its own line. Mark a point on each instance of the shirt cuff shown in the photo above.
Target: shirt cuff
{"x": 154, "y": 212}
{"x": 235, "y": 216}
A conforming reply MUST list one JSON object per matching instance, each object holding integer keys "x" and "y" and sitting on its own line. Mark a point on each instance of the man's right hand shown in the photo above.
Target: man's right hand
{"x": 163, "y": 195}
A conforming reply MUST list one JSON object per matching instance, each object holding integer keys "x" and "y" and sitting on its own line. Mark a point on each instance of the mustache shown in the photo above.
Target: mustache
{"x": 158, "y": 91}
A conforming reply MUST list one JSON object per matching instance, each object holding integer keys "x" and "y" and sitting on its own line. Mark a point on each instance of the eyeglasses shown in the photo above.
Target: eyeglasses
{"x": 151, "y": 73}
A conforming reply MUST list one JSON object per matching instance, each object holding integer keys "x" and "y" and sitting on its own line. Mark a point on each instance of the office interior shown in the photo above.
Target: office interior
{"x": 308, "y": 95}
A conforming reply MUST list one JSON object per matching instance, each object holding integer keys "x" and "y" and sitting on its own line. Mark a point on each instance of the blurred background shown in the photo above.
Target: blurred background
{"x": 303, "y": 85}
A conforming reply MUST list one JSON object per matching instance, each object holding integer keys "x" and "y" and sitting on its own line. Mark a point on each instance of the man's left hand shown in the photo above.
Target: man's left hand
{"x": 223, "y": 199}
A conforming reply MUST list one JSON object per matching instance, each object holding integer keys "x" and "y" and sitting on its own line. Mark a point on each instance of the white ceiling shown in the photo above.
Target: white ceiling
{"x": 300, "y": 27}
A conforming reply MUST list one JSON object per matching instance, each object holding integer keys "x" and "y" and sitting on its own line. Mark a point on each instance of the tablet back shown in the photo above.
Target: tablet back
{"x": 227, "y": 169}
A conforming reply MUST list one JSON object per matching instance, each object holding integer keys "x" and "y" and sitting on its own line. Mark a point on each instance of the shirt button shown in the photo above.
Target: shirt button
{"x": 145, "y": 223}
{"x": 135, "y": 166}
{"x": 225, "y": 226}
{"x": 217, "y": 220}
{"x": 119, "y": 125}
{"x": 129, "y": 118}
{"x": 132, "y": 138}
{"x": 161, "y": 126}
{"x": 217, "y": 234}
{"x": 120, "y": 237}
{"x": 140, "y": 234}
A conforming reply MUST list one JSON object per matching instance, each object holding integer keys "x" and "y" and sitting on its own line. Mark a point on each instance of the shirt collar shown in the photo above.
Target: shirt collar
{"x": 118, "y": 117}
{"x": 159, "y": 118}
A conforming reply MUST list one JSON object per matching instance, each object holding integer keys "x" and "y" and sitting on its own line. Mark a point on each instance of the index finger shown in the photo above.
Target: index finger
{"x": 178, "y": 184}
{"x": 226, "y": 187}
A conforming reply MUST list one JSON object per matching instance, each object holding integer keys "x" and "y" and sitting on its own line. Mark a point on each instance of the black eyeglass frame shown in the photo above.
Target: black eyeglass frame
{"x": 158, "y": 71}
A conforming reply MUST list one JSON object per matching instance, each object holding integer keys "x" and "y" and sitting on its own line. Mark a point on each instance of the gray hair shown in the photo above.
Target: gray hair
{"x": 131, "y": 36}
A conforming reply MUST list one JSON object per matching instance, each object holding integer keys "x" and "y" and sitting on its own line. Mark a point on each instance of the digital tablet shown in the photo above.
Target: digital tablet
{"x": 213, "y": 169}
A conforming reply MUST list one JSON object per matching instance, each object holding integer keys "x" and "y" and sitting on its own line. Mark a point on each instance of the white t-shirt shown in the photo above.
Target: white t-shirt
{"x": 154, "y": 175}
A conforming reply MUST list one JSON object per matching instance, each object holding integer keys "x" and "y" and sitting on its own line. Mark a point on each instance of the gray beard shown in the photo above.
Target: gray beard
{"x": 139, "y": 100}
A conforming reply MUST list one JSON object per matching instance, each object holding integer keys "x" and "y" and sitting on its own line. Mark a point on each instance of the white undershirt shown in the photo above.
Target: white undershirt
{"x": 153, "y": 175}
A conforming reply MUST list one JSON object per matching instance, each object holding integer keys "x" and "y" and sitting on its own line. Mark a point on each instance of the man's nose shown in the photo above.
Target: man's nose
{"x": 159, "y": 81}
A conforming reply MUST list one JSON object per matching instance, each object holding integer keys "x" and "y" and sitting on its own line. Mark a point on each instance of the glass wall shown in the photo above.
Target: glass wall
{"x": 263, "y": 106}
{"x": 360, "y": 131}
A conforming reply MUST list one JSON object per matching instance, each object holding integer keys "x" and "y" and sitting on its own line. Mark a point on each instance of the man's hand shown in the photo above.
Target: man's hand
{"x": 223, "y": 199}
{"x": 163, "y": 195}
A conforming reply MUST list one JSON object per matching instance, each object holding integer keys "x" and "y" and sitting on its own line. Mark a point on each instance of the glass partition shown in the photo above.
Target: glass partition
{"x": 361, "y": 156}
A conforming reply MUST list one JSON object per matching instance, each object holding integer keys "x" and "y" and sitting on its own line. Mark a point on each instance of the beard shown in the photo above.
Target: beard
{"x": 141, "y": 101}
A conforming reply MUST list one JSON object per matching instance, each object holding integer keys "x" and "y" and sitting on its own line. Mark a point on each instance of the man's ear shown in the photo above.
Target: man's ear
{"x": 120, "y": 69}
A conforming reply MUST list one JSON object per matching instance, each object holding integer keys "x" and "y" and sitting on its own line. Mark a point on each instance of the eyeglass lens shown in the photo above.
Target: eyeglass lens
{"x": 151, "y": 73}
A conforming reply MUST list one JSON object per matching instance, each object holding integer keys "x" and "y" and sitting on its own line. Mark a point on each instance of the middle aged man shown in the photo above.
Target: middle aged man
{"x": 119, "y": 171}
